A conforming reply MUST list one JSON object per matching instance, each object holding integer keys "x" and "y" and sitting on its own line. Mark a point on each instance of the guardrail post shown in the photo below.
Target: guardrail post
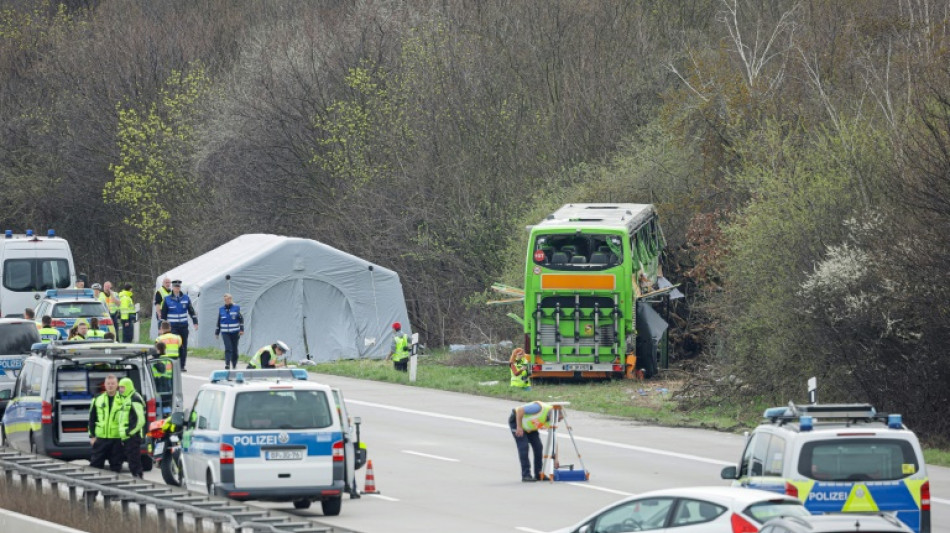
{"x": 39, "y": 485}
{"x": 218, "y": 526}
{"x": 72, "y": 494}
{"x": 23, "y": 479}
{"x": 9, "y": 476}
{"x": 125, "y": 508}
{"x": 143, "y": 512}
{"x": 54, "y": 486}
{"x": 89, "y": 498}
{"x": 179, "y": 521}
{"x": 161, "y": 517}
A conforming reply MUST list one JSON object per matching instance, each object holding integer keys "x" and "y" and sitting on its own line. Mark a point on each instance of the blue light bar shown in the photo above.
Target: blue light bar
{"x": 773, "y": 412}
{"x": 805, "y": 423}
{"x": 29, "y": 233}
{"x": 219, "y": 375}
{"x": 300, "y": 374}
{"x": 62, "y": 293}
{"x": 51, "y": 233}
{"x": 895, "y": 422}
{"x": 8, "y": 234}
{"x": 239, "y": 378}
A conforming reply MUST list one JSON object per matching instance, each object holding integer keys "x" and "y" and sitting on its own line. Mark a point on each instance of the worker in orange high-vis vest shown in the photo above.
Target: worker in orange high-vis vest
{"x": 171, "y": 341}
{"x": 524, "y": 422}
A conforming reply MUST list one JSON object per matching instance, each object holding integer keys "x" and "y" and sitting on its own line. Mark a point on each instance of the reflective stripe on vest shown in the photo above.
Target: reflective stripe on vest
{"x": 126, "y": 306}
{"x": 172, "y": 343}
{"x": 177, "y": 308}
{"x": 122, "y": 416}
{"x": 402, "y": 347}
{"x": 538, "y": 420}
{"x": 95, "y": 334}
{"x": 228, "y": 318}
{"x": 111, "y": 302}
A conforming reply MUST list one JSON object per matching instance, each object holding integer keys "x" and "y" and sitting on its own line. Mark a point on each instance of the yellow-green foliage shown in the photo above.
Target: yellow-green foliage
{"x": 31, "y": 29}
{"x": 155, "y": 143}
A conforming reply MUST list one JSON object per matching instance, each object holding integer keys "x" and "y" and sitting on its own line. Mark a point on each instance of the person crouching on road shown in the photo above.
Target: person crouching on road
{"x": 524, "y": 422}
{"x": 518, "y": 368}
{"x": 104, "y": 427}
{"x": 131, "y": 421}
{"x": 267, "y": 356}
{"x": 399, "y": 349}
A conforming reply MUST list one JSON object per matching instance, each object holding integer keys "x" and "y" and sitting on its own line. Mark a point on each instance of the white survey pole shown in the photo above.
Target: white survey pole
{"x": 412, "y": 358}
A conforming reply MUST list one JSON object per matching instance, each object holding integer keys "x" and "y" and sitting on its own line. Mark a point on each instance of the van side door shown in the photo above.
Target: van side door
{"x": 169, "y": 394}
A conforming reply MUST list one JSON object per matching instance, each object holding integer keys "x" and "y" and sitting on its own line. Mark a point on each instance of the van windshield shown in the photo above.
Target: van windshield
{"x": 283, "y": 409}
{"x": 858, "y": 459}
{"x": 31, "y": 275}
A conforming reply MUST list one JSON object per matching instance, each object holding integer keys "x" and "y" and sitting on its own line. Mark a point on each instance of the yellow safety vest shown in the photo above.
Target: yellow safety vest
{"x": 172, "y": 343}
{"x": 402, "y": 348}
{"x": 520, "y": 377}
{"x": 538, "y": 420}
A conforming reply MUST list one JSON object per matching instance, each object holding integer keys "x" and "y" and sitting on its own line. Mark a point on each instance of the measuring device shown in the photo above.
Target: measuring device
{"x": 566, "y": 473}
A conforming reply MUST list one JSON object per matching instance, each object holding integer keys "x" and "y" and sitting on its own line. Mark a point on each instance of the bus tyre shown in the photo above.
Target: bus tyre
{"x": 303, "y": 504}
{"x": 332, "y": 506}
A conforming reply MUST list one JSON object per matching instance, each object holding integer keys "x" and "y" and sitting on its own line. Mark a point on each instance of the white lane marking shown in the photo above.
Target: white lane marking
{"x": 603, "y": 489}
{"x": 563, "y": 436}
{"x": 430, "y": 456}
{"x": 938, "y": 500}
{"x": 381, "y": 497}
{"x": 528, "y": 530}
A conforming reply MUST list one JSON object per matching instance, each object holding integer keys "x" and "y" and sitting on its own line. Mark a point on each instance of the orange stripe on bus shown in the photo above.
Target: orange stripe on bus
{"x": 578, "y": 281}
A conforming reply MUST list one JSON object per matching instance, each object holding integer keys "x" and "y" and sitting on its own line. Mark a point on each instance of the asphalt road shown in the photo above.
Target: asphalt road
{"x": 446, "y": 460}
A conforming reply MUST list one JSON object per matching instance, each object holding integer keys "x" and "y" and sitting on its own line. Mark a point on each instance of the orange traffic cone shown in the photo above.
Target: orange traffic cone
{"x": 370, "y": 479}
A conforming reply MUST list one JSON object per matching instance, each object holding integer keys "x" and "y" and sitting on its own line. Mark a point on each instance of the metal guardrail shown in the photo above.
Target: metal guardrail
{"x": 220, "y": 512}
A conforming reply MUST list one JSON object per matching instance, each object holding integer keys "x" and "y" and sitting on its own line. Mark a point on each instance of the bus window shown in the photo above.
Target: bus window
{"x": 578, "y": 251}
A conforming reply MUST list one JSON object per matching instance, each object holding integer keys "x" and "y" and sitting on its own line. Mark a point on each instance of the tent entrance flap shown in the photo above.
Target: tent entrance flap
{"x": 329, "y": 325}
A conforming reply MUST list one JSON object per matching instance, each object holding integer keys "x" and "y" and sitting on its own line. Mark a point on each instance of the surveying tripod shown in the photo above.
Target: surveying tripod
{"x": 548, "y": 469}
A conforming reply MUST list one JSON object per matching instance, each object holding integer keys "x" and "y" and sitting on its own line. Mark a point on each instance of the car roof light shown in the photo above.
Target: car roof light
{"x": 805, "y": 423}
{"x": 895, "y": 421}
{"x": 29, "y": 233}
{"x": 50, "y": 232}
{"x": 8, "y": 234}
{"x": 773, "y": 412}
{"x": 239, "y": 378}
{"x": 300, "y": 374}
{"x": 219, "y": 375}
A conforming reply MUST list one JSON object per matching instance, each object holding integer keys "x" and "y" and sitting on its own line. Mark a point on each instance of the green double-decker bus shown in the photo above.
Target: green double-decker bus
{"x": 592, "y": 279}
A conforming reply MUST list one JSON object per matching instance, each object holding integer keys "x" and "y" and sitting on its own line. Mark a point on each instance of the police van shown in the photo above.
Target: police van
{"x": 838, "y": 458}
{"x": 29, "y": 266}
{"x": 266, "y": 435}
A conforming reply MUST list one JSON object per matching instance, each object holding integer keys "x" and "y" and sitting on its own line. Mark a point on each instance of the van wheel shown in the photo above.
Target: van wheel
{"x": 301, "y": 504}
{"x": 209, "y": 482}
{"x": 332, "y": 506}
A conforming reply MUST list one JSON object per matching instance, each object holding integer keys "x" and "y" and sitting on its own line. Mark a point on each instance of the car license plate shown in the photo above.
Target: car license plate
{"x": 159, "y": 448}
{"x": 576, "y": 367}
{"x": 284, "y": 455}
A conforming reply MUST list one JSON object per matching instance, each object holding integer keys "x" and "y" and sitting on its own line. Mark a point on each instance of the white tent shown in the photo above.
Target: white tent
{"x": 324, "y": 303}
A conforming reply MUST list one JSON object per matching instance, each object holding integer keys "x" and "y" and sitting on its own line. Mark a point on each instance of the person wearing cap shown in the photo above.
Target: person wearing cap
{"x": 266, "y": 357}
{"x": 399, "y": 349}
{"x": 160, "y": 294}
{"x": 176, "y": 308}
{"x": 230, "y": 326}
{"x": 97, "y": 291}
{"x": 127, "y": 313}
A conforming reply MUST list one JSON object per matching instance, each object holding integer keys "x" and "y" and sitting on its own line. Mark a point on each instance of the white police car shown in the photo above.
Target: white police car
{"x": 839, "y": 458}
{"x": 266, "y": 435}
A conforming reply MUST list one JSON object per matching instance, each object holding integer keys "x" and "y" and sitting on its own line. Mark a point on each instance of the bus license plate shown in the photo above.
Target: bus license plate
{"x": 284, "y": 455}
{"x": 577, "y": 367}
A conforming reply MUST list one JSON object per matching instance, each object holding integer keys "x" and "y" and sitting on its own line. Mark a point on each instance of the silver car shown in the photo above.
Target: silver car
{"x": 691, "y": 510}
